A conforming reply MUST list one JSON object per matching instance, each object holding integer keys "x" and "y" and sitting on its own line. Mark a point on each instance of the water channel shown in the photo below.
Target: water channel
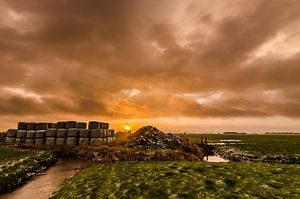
{"x": 214, "y": 158}
{"x": 43, "y": 185}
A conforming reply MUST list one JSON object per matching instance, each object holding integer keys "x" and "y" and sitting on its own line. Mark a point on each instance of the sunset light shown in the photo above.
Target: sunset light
{"x": 163, "y": 99}
{"x": 127, "y": 127}
{"x": 183, "y": 64}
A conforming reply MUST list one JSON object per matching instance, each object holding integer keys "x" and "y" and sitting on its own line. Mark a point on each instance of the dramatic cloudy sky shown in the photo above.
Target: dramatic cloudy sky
{"x": 190, "y": 65}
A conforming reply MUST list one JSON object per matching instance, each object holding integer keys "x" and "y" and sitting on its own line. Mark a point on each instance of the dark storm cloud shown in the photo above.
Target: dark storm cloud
{"x": 90, "y": 57}
{"x": 16, "y": 105}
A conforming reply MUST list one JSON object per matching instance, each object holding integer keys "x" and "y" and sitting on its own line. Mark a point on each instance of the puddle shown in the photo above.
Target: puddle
{"x": 226, "y": 142}
{"x": 230, "y": 140}
{"x": 214, "y": 158}
{"x": 217, "y": 143}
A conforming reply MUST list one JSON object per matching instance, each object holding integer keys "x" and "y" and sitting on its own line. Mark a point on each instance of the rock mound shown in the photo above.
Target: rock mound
{"x": 149, "y": 137}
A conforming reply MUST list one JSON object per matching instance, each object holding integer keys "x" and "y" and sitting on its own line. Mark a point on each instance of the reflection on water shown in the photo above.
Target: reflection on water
{"x": 43, "y": 185}
{"x": 214, "y": 158}
{"x": 230, "y": 140}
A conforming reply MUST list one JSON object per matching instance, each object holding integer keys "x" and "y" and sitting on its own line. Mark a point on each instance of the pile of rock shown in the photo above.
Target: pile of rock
{"x": 69, "y": 133}
{"x": 150, "y": 137}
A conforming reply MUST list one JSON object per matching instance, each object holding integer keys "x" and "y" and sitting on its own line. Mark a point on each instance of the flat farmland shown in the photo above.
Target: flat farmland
{"x": 272, "y": 148}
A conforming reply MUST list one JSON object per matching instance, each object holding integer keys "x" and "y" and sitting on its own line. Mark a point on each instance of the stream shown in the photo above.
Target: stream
{"x": 214, "y": 158}
{"x": 41, "y": 186}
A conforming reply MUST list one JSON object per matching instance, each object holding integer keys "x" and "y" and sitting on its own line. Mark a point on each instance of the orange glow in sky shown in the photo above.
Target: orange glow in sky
{"x": 186, "y": 66}
{"x": 127, "y": 127}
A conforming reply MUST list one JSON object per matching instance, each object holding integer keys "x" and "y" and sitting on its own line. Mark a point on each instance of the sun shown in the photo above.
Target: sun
{"x": 127, "y": 127}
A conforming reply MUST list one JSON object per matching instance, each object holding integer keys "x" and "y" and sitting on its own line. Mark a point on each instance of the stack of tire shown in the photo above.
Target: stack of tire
{"x": 21, "y": 136}
{"x": 103, "y": 125}
{"x": 84, "y": 137}
{"x": 99, "y": 133}
{"x": 69, "y": 133}
{"x": 97, "y": 137}
{"x": 21, "y": 133}
{"x": 61, "y": 125}
{"x": 107, "y": 136}
{"x": 50, "y": 137}
{"x": 11, "y": 136}
{"x": 30, "y": 135}
{"x": 111, "y": 135}
{"x": 96, "y": 134}
{"x": 51, "y": 126}
{"x": 61, "y": 137}
{"x": 72, "y": 134}
{"x": 40, "y": 137}
{"x": 72, "y": 137}
{"x": 81, "y": 125}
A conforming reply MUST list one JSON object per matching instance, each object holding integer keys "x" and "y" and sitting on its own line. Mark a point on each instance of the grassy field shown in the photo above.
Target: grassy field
{"x": 254, "y": 147}
{"x": 184, "y": 180}
{"x": 262, "y": 143}
{"x": 170, "y": 179}
{"x": 9, "y": 154}
{"x": 18, "y": 165}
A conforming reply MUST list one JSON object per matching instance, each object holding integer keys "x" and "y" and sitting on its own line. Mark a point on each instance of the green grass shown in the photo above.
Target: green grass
{"x": 8, "y": 153}
{"x": 274, "y": 144}
{"x": 184, "y": 180}
{"x": 255, "y": 147}
{"x": 18, "y": 165}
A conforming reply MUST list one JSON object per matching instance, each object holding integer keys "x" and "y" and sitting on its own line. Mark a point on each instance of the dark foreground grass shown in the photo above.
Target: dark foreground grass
{"x": 184, "y": 180}
{"x": 18, "y": 165}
